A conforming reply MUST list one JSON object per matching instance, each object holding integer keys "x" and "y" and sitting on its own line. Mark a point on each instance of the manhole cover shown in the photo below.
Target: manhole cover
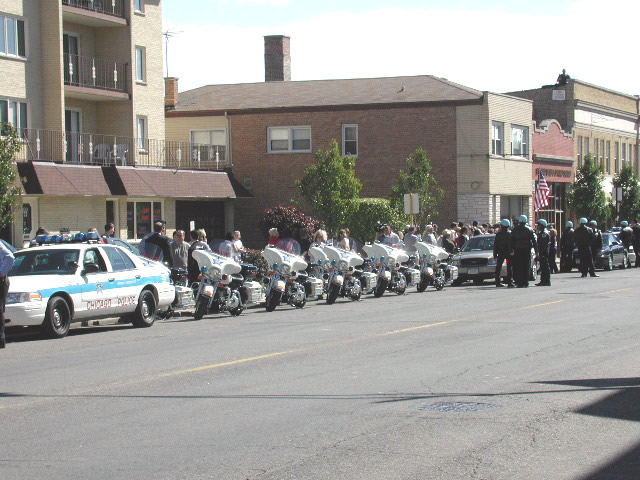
{"x": 458, "y": 407}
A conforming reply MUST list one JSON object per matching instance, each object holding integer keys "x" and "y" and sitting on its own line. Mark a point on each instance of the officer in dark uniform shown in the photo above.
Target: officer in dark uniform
{"x": 523, "y": 239}
{"x": 626, "y": 236}
{"x": 597, "y": 240}
{"x": 544, "y": 242}
{"x": 636, "y": 240}
{"x": 584, "y": 240}
{"x": 502, "y": 252}
{"x": 567, "y": 244}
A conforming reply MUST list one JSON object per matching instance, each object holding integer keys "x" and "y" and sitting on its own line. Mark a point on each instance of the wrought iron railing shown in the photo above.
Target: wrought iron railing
{"x": 114, "y": 8}
{"x": 95, "y": 73}
{"x": 112, "y": 150}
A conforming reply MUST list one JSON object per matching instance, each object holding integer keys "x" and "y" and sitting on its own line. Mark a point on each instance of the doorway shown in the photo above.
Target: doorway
{"x": 208, "y": 215}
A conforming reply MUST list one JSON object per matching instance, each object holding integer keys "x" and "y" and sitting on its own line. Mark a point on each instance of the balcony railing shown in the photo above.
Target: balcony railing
{"x": 105, "y": 150}
{"x": 95, "y": 73}
{"x": 114, "y": 8}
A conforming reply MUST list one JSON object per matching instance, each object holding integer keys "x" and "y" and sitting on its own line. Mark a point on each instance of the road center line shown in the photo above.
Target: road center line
{"x": 541, "y": 304}
{"x": 226, "y": 364}
{"x": 411, "y": 329}
{"x": 615, "y": 291}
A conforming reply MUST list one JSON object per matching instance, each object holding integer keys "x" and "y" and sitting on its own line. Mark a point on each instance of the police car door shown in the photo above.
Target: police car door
{"x": 98, "y": 292}
{"x": 128, "y": 282}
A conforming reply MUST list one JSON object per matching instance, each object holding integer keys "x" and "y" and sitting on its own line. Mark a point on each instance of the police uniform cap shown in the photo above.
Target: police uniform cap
{"x": 523, "y": 219}
{"x": 583, "y": 221}
{"x": 569, "y": 224}
{"x": 505, "y": 222}
{"x": 542, "y": 221}
{"x": 624, "y": 223}
{"x": 594, "y": 223}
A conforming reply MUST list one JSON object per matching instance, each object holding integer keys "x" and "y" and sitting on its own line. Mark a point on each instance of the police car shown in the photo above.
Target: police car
{"x": 71, "y": 278}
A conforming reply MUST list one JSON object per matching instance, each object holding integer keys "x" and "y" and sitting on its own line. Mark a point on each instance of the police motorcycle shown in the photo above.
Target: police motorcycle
{"x": 348, "y": 267}
{"x": 221, "y": 288}
{"x": 285, "y": 278}
{"x": 319, "y": 266}
{"x": 434, "y": 269}
{"x": 184, "y": 300}
{"x": 386, "y": 262}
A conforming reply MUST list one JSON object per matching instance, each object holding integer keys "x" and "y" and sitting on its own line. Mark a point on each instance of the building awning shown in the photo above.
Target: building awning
{"x": 69, "y": 180}
{"x": 74, "y": 180}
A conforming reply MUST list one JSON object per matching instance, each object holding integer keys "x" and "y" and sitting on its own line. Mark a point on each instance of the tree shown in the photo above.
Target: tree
{"x": 628, "y": 181}
{"x": 418, "y": 178}
{"x": 9, "y": 190}
{"x": 586, "y": 198}
{"x": 330, "y": 187}
{"x": 367, "y": 212}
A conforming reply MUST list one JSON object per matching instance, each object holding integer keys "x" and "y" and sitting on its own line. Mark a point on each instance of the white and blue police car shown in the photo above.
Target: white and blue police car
{"x": 71, "y": 278}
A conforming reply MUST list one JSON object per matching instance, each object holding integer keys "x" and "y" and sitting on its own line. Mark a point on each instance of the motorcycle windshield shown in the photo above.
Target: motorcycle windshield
{"x": 290, "y": 245}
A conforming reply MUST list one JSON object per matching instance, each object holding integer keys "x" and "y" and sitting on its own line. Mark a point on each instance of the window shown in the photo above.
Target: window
{"x": 519, "y": 141}
{"x": 586, "y": 146}
{"x": 141, "y": 64}
{"x": 579, "y": 152}
{"x": 140, "y": 218}
{"x": 608, "y": 156}
{"x": 208, "y": 145}
{"x": 596, "y": 153}
{"x": 623, "y": 154}
{"x": 289, "y": 139}
{"x": 497, "y": 137}
{"x": 602, "y": 161}
{"x": 12, "y": 37}
{"x": 142, "y": 133}
{"x": 13, "y": 112}
{"x": 119, "y": 261}
{"x": 616, "y": 154}
{"x": 350, "y": 140}
{"x": 139, "y": 5}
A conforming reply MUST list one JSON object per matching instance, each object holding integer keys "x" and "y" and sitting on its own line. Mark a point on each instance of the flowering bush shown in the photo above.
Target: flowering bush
{"x": 288, "y": 219}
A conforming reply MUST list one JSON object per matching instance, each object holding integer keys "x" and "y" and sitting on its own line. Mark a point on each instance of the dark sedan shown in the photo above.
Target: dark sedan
{"x": 610, "y": 256}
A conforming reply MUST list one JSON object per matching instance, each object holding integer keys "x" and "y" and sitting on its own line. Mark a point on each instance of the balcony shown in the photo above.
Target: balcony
{"x": 86, "y": 77}
{"x": 111, "y": 150}
{"x": 95, "y": 13}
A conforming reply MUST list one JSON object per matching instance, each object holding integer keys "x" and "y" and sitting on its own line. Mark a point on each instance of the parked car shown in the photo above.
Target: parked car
{"x": 475, "y": 261}
{"x": 55, "y": 285}
{"x": 612, "y": 255}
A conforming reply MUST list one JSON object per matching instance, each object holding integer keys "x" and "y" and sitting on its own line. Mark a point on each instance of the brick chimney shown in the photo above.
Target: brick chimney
{"x": 170, "y": 93}
{"x": 277, "y": 58}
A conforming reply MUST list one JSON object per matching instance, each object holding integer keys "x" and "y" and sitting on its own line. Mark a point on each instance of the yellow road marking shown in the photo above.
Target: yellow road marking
{"x": 540, "y": 305}
{"x": 417, "y": 328}
{"x": 615, "y": 291}
{"x": 226, "y": 364}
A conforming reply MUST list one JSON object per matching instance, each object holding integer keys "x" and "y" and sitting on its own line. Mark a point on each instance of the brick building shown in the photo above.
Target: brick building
{"x": 604, "y": 122}
{"x": 83, "y": 83}
{"x": 478, "y": 142}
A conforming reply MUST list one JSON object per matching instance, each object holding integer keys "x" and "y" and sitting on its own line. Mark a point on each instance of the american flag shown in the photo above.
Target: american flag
{"x": 543, "y": 191}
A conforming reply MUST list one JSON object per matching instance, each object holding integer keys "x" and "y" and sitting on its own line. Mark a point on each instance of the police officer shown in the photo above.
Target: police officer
{"x": 6, "y": 262}
{"x": 626, "y": 236}
{"x": 502, "y": 251}
{"x": 636, "y": 240}
{"x": 567, "y": 244}
{"x": 544, "y": 242}
{"x": 597, "y": 240}
{"x": 584, "y": 240}
{"x": 523, "y": 239}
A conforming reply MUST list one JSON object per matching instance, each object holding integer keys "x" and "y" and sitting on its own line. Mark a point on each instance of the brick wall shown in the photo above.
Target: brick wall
{"x": 387, "y": 136}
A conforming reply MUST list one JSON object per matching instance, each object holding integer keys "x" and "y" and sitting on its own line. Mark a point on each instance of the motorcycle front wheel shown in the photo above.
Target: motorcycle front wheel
{"x": 201, "y": 307}
{"x": 424, "y": 283}
{"x": 273, "y": 299}
{"x": 333, "y": 294}
{"x": 380, "y": 288}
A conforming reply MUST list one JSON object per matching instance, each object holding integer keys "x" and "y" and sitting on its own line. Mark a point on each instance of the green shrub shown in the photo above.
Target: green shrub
{"x": 368, "y": 211}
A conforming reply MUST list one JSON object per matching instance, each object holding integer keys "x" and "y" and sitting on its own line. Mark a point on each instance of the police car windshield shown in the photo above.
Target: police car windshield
{"x": 608, "y": 238}
{"x": 479, "y": 243}
{"x": 45, "y": 262}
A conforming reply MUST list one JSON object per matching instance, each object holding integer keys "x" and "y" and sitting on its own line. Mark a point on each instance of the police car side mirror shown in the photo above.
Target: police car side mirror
{"x": 91, "y": 267}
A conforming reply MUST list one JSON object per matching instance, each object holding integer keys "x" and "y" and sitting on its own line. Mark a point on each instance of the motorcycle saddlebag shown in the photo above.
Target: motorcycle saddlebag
{"x": 253, "y": 291}
{"x": 369, "y": 280}
{"x": 313, "y": 286}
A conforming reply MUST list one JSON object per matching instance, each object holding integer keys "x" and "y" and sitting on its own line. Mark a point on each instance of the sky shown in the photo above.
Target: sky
{"x": 496, "y": 46}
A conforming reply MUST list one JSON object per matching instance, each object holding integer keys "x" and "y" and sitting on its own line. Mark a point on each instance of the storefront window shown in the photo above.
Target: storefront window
{"x": 140, "y": 218}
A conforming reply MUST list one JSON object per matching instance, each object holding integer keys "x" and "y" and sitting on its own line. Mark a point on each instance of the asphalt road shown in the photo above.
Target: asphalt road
{"x": 467, "y": 383}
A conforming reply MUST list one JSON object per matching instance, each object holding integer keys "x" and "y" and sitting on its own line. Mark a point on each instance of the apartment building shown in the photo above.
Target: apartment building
{"x": 603, "y": 122}
{"x": 83, "y": 83}
{"x": 478, "y": 142}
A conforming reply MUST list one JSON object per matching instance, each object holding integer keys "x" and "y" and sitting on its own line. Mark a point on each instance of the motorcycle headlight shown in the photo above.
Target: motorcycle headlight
{"x": 285, "y": 269}
{"x": 433, "y": 259}
{"x": 23, "y": 297}
{"x": 391, "y": 262}
{"x": 343, "y": 265}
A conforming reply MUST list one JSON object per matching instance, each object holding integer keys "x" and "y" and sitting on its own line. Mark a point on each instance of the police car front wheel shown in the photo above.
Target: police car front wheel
{"x": 145, "y": 313}
{"x": 57, "y": 319}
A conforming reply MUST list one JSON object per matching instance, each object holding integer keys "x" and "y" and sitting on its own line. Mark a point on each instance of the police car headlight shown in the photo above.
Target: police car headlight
{"x": 23, "y": 297}
{"x": 492, "y": 261}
